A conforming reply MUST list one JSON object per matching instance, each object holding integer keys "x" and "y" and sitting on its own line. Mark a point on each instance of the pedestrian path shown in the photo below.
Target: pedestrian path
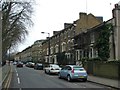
{"x": 105, "y": 81}
{"x": 3, "y": 73}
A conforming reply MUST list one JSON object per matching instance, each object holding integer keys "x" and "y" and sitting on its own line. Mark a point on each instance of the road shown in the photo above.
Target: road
{"x": 29, "y": 78}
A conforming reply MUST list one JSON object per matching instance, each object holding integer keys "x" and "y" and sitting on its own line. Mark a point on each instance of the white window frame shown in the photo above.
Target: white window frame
{"x": 56, "y": 48}
{"x": 47, "y": 51}
{"x": 51, "y": 50}
{"x": 63, "y": 46}
{"x": 92, "y": 37}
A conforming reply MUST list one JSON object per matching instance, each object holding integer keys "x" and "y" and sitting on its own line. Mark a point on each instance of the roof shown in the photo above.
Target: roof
{"x": 94, "y": 28}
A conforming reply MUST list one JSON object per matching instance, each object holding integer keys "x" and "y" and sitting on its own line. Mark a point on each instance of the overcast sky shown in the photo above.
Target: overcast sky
{"x": 50, "y": 15}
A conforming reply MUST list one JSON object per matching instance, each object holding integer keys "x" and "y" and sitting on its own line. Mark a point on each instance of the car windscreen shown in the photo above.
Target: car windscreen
{"x": 78, "y": 68}
{"x": 20, "y": 63}
{"x": 39, "y": 64}
{"x": 55, "y": 66}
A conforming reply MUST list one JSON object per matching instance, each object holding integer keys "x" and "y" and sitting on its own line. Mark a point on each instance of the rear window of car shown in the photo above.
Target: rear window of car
{"x": 39, "y": 64}
{"x": 20, "y": 63}
{"x": 55, "y": 66}
{"x": 78, "y": 68}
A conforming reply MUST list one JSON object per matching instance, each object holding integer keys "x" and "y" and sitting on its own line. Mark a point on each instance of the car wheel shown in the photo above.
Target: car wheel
{"x": 49, "y": 72}
{"x": 69, "y": 78}
{"x": 45, "y": 71}
{"x": 85, "y": 79}
{"x": 59, "y": 76}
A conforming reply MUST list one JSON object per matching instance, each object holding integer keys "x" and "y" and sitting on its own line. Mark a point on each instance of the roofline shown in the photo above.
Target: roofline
{"x": 97, "y": 26}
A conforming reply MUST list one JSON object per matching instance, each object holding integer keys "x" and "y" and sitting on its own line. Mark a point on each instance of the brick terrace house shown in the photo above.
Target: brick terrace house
{"x": 62, "y": 42}
{"x": 85, "y": 40}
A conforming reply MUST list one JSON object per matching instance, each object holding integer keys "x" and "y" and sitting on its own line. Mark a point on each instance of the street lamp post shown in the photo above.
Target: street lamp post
{"x": 48, "y": 45}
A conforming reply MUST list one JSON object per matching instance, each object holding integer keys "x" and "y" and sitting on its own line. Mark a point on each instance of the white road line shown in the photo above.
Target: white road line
{"x": 75, "y": 84}
{"x": 16, "y": 70}
{"x": 17, "y": 74}
{"x": 18, "y": 80}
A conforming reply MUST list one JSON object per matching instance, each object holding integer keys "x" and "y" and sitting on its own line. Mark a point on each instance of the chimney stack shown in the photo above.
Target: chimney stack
{"x": 82, "y": 15}
{"x": 117, "y": 7}
{"x": 55, "y": 32}
{"x": 66, "y": 25}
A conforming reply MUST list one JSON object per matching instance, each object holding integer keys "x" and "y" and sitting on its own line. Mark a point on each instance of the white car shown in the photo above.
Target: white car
{"x": 14, "y": 63}
{"x": 52, "y": 69}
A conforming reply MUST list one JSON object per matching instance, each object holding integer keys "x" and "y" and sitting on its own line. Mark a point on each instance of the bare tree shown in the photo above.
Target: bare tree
{"x": 16, "y": 18}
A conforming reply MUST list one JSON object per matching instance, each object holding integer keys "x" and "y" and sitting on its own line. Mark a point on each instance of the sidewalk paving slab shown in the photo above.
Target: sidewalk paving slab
{"x": 105, "y": 81}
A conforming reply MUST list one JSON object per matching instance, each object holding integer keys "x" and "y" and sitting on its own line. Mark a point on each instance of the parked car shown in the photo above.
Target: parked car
{"x": 52, "y": 69}
{"x": 14, "y": 63}
{"x": 38, "y": 66}
{"x": 72, "y": 72}
{"x": 27, "y": 64}
{"x": 19, "y": 64}
{"x": 30, "y": 64}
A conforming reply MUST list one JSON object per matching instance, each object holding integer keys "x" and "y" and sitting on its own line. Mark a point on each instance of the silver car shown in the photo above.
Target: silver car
{"x": 71, "y": 72}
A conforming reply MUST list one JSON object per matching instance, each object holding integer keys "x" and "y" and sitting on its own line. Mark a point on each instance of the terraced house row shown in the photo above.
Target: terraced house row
{"x": 86, "y": 38}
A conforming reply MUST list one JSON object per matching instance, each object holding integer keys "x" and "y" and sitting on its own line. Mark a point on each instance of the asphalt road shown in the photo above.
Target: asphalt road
{"x": 29, "y": 78}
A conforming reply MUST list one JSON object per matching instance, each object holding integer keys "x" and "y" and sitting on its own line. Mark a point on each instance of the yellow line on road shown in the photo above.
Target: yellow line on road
{"x": 8, "y": 81}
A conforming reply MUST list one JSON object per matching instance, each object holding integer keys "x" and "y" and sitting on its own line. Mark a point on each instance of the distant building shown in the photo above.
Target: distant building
{"x": 17, "y": 56}
{"x": 36, "y": 51}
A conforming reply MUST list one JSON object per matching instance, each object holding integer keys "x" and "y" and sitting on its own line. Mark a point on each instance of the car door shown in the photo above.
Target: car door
{"x": 48, "y": 69}
{"x": 62, "y": 72}
{"x": 66, "y": 71}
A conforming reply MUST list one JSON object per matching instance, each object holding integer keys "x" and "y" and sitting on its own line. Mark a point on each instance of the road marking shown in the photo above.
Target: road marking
{"x": 20, "y": 89}
{"x": 18, "y": 80}
{"x": 75, "y": 84}
{"x": 16, "y": 70}
{"x": 17, "y": 74}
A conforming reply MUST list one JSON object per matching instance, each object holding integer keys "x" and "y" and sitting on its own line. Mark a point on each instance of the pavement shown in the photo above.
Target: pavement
{"x": 105, "y": 81}
{"x": 3, "y": 73}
